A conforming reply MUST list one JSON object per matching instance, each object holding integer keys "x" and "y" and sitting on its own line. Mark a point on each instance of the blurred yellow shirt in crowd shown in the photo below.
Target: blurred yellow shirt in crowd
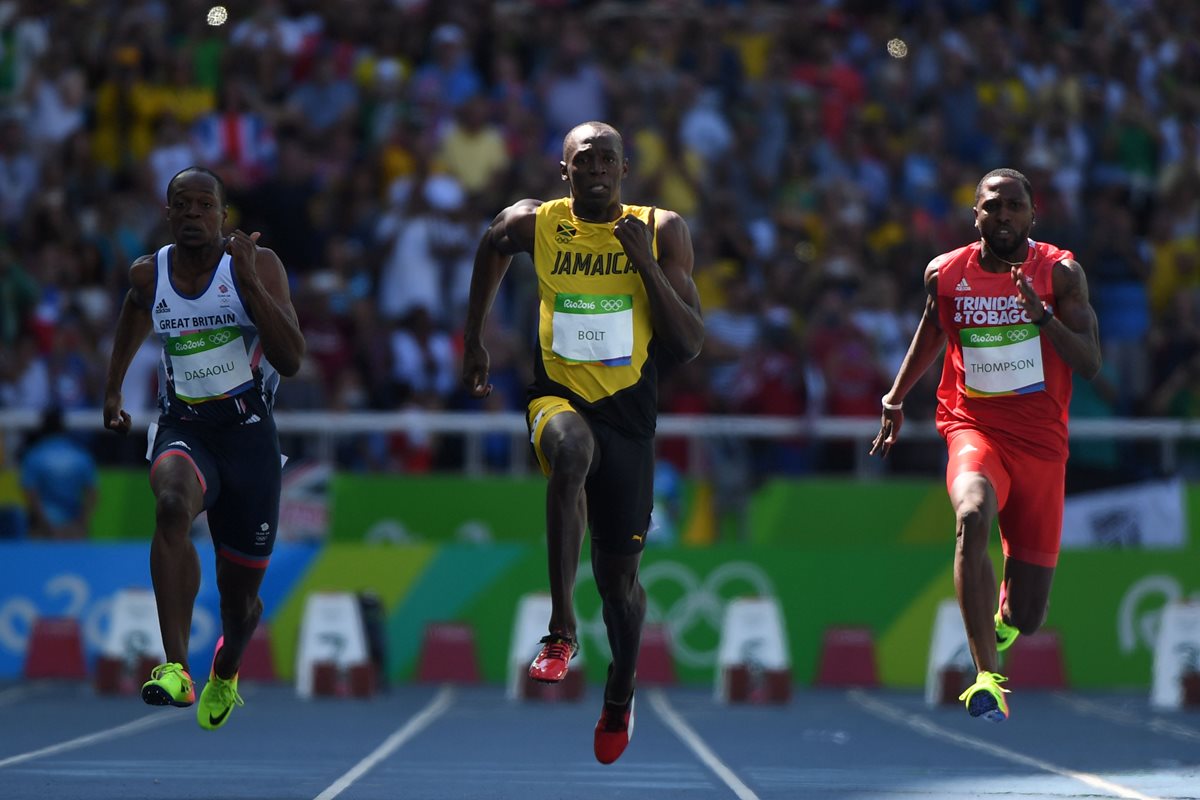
{"x": 474, "y": 158}
{"x": 673, "y": 183}
{"x": 1174, "y": 267}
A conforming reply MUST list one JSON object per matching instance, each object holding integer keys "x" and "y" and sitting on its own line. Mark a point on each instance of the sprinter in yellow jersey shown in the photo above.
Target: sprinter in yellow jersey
{"x": 616, "y": 296}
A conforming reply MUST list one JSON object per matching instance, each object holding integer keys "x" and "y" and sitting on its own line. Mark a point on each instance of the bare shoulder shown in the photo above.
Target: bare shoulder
{"x": 931, "y": 272}
{"x": 522, "y": 212}
{"x": 513, "y": 228}
{"x": 269, "y": 255}
{"x": 674, "y": 239}
{"x": 142, "y": 265}
{"x": 527, "y": 205}
{"x": 142, "y": 279}
{"x": 143, "y": 271}
{"x": 671, "y": 223}
{"x": 1068, "y": 277}
{"x": 666, "y": 218}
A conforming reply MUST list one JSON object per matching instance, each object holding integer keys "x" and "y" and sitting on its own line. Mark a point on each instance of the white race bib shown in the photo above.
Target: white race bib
{"x": 594, "y": 328}
{"x": 1003, "y": 360}
{"x": 208, "y": 364}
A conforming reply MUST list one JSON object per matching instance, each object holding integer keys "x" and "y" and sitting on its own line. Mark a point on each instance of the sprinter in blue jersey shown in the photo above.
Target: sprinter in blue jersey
{"x": 221, "y": 307}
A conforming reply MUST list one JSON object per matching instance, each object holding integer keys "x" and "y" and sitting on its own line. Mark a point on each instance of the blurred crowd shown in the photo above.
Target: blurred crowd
{"x": 821, "y": 153}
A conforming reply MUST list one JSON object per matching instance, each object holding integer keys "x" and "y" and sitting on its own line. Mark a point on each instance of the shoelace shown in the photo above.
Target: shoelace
{"x": 162, "y": 670}
{"x": 558, "y": 647}
{"x": 996, "y": 680}
{"x": 227, "y": 695}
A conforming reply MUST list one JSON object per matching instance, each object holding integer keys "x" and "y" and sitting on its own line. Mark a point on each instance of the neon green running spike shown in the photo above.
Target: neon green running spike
{"x": 169, "y": 685}
{"x": 217, "y": 702}
{"x": 1005, "y": 634}
{"x": 219, "y": 697}
{"x": 985, "y": 697}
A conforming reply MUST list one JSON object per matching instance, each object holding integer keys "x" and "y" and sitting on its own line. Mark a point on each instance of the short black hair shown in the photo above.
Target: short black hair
{"x": 202, "y": 171}
{"x": 1005, "y": 172}
{"x": 598, "y": 127}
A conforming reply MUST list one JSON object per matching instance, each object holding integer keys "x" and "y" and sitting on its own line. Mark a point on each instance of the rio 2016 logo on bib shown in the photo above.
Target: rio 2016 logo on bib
{"x": 1002, "y": 360}
{"x": 593, "y": 328}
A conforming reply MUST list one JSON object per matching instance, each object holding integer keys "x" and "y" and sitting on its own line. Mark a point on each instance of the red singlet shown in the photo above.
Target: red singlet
{"x": 1004, "y": 394}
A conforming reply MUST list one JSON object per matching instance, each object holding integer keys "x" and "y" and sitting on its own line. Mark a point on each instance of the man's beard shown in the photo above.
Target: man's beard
{"x": 1006, "y": 253}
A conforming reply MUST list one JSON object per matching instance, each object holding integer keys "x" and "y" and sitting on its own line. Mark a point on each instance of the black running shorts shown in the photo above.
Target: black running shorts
{"x": 240, "y": 473}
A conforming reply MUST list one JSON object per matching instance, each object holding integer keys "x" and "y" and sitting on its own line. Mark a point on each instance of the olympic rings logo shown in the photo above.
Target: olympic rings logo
{"x": 1140, "y": 610}
{"x": 220, "y": 338}
{"x": 610, "y": 304}
{"x": 69, "y": 594}
{"x": 687, "y": 606}
{"x": 1018, "y": 335}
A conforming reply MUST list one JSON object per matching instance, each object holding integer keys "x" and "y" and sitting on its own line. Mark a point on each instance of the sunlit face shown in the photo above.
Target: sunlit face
{"x": 594, "y": 164}
{"x": 195, "y": 211}
{"x": 1003, "y": 215}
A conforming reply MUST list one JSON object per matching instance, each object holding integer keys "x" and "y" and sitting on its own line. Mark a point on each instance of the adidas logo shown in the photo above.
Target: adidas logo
{"x": 162, "y": 307}
{"x": 250, "y": 420}
{"x": 963, "y": 286}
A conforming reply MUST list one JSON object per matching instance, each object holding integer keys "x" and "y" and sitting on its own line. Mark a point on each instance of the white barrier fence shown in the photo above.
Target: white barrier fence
{"x": 326, "y": 427}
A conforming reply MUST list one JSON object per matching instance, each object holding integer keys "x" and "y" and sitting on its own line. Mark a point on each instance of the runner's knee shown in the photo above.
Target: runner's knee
{"x": 173, "y": 513}
{"x": 623, "y": 595}
{"x": 1027, "y": 618}
{"x": 571, "y": 459}
{"x": 971, "y": 527}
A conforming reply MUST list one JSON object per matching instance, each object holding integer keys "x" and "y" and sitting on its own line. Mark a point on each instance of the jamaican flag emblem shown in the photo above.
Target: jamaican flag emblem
{"x": 565, "y": 233}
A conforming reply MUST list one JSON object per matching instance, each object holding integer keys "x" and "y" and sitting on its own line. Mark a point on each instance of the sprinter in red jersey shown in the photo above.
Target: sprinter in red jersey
{"x": 1014, "y": 317}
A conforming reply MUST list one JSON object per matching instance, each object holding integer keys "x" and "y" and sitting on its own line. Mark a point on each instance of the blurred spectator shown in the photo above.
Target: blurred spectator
{"x": 325, "y": 99}
{"x": 851, "y": 377}
{"x": 18, "y": 172}
{"x": 179, "y": 95}
{"x": 424, "y": 364}
{"x": 1118, "y": 270}
{"x": 124, "y": 109}
{"x": 281, "y": 207}
{"x": 235, "y": 138}
{"x": 666, "y": 515}
{"x": 429, "y": 264}
{"x": 571, "y": 85}
{"x": 369, "y": 144}
{"x": 18, "y": 296}
{"x": 448, "y": 78}
{"x": 57, "y": 104}
{"x": 58, "y": 478}
{"x": 26, "y": 381}
{"x": 173, "y": 151}
{"x": 731, "y": 332}
{"x": 472, "y": 151}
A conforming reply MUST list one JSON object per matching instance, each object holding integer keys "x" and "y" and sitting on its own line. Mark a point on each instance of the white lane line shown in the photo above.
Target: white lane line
{"x": 922, "y": 725}
{"x": 441, "y": 701}
{"x": 15, "y": 694}
{"x": 1130, "y": 718}
{"x": 92, "y": 738}
{"x": 692, "y": 739}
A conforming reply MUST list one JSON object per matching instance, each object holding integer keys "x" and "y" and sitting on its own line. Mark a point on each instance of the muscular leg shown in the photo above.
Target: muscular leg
{"x": 624, "y": 603}
{"x": 1026, "y": 594}
{"x": 974, "y": 503}
{"x": 241, "y": 608}
{"x": 568, "y": 445}
{"x": 174, "y": 565}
